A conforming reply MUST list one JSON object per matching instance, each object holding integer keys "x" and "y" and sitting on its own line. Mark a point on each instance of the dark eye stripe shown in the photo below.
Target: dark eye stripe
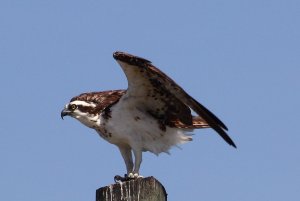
{"x": 84, "y": 108}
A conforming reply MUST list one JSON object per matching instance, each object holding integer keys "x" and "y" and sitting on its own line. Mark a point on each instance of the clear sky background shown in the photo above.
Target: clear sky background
{"x": 241, "y": 59}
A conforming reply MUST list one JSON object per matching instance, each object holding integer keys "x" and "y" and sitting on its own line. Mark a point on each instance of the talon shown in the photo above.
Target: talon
{"x": 131, "y": 175}
{"x": 118, "y": 179}
{"x": 134, "y": 175}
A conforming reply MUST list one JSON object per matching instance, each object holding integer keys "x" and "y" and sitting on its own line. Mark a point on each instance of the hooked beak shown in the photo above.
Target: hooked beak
{"x": 64, "y": 112}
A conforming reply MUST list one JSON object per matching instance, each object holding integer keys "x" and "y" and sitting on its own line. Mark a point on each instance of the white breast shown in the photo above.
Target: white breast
{"x": 136, "y": 128}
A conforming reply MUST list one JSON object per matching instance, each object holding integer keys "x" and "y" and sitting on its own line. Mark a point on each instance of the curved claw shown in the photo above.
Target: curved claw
{"x": 118, "y": 179}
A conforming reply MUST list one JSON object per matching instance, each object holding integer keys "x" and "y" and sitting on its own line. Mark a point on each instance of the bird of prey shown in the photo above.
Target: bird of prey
{"x": 153, "y": 114}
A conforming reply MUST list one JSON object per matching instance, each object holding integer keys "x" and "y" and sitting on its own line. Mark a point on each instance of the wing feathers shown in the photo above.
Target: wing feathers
{"x": 214, "y": 122}
{"x": 145, "y": 81}
{"x": 211, "y": 119}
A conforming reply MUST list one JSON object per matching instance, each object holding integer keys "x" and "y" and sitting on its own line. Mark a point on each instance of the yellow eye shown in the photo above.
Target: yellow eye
{"x": 72, "y": 107}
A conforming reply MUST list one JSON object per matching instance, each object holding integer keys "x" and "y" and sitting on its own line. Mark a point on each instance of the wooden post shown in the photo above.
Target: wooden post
{"x": 141, "y": 189}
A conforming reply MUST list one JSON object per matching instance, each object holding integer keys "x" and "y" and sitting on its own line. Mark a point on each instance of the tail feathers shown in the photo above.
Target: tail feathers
{"x": 198, "y": 123}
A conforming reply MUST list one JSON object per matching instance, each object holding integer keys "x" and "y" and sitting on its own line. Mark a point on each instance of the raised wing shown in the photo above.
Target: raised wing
{"x": 153, "y": 91}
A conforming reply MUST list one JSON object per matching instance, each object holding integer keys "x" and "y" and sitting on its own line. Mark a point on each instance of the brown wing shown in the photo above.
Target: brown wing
{"x": 153, "y": 90}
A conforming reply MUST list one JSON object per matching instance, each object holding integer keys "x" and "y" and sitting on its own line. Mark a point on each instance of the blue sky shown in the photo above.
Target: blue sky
{"x": 239, "y": 58}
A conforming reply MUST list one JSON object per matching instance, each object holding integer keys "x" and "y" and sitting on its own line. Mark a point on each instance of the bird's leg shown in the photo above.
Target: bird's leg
{"x": 137, "y": 164}
{"x": 127, "y": 156}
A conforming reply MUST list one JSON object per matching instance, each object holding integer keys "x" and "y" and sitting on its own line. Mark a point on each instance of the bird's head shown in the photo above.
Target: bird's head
{"x": 82, "y": 111}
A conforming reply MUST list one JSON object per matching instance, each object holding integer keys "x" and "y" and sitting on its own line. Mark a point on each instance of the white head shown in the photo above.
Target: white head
{"x": 83, "y": 111}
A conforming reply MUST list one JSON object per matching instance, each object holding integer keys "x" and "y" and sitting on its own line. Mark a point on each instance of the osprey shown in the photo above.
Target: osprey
{"x": 153, "y": 114}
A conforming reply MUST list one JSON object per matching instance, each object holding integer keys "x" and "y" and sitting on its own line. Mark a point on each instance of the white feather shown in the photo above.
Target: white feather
{"x": 129, "y": 125}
